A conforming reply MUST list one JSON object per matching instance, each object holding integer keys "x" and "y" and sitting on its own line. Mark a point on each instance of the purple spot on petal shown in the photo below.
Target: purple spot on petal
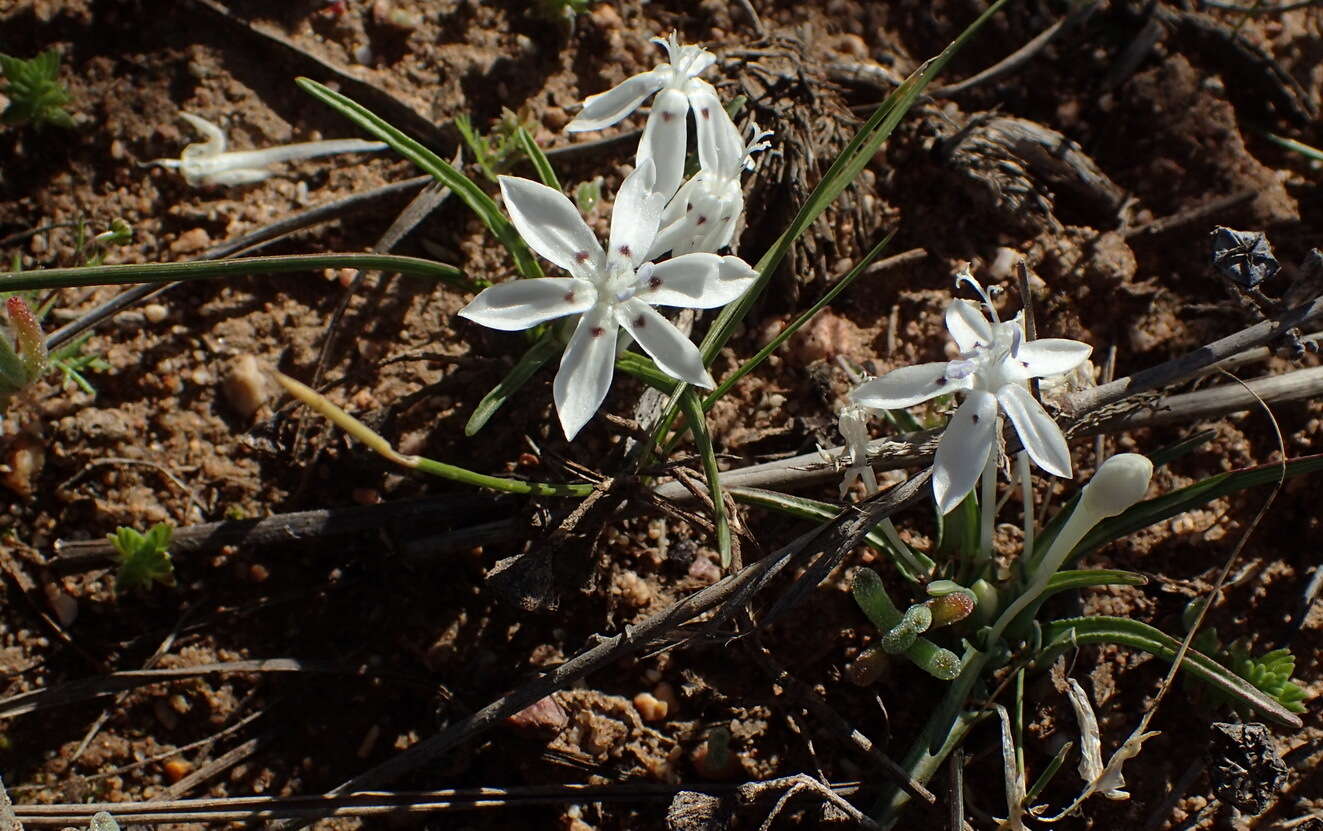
{"x": 581, "y": 256}
{"x": 655, "y": 283}
{"x": 624, "y": 251}
{"x": 975, "y": 417}
{"x": 702, "y": 220}
{"x": 597, "y": 331}
{"x": 569, "y": 297}
{"x": 639, "y": 322}
{"x": 667, "y": 116}
{"x": 707, "y": 113}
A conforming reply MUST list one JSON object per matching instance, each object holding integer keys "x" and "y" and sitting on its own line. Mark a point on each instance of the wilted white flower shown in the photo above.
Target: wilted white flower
{"x": 703, "y": 214}
{"x": 853, "y": 425}
{"x": 678, "y": 88}
{"x": 993, "y": 369}
{"x": 609, "y": 290}
{"x": 207, "y": 162}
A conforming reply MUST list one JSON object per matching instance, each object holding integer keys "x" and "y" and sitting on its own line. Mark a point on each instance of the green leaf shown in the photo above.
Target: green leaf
{"x": 1061, "y": 635}
{"x": 543, "y": 349}
{"x": 116, "y": 275}
{"x": 789, "y": 331}
{"x": 143, "y": 558}
{"x": 911, "y": 564}
{"x": 541, "y": 163}
{"x": 958, "y": 531}
{"x": 693, "y": 410}
{"x": 462, "y": 186}
{"x": 1071, "y": 580}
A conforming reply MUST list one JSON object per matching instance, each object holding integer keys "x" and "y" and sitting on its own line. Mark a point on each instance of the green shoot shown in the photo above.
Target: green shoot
{"x": 143, "y": 558}
{"x": 36, "y": 96}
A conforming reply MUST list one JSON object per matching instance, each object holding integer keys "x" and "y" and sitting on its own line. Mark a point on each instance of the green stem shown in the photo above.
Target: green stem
{"x": 115, "y": 275}
{"x": 921, "y": 763}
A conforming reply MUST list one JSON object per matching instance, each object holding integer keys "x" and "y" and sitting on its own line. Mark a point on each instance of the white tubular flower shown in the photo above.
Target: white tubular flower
{"x": 609, "y": 290}
{"x": 993, "y": 369}
{"x": 853, "y": 425}
{"x": 703, "y": 214}
{"x": 207, "y": 162}
{"x": 679, "y": 88}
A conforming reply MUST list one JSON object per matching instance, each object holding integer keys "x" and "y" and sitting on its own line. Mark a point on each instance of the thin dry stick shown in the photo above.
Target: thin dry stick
{"x": 117, "y": 460}
{"x": 1191, "y": 363}
{"x": 91, "y": 688}
{"x": 369, "y": 803}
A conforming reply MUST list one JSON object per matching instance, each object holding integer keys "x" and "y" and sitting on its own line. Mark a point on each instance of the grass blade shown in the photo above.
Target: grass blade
{"x": 693, "y": 411}
{"x": 1061, "y": 635}
{"x": 542, "y": 351}
{"x": 539, "y": 159}
{"x": 789, "y": 331}
{"x": 464, "y": 187}
{"x": 377, "y": 443}
{"x": 118, "y": 275}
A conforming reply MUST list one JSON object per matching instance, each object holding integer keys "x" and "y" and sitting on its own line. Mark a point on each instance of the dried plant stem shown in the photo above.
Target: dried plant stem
{"x": 1188, "y": 365}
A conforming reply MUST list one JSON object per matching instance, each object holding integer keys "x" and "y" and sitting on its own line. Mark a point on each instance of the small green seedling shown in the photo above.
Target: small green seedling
{"x": 1270, "y": 672}
{"x": 143, "y": 558}
{"x": 498, "y": 151}
{"x": 35, "y": 95}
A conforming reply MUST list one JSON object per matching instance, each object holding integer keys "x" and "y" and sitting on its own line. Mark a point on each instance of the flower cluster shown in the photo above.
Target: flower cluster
{"x": 654, "y": 214}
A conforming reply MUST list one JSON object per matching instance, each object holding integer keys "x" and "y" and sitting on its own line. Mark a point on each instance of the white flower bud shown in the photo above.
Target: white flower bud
{"x": 1118, "y": 484}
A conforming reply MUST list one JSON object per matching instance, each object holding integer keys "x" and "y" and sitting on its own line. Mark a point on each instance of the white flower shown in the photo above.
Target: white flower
{"x": 208, "y": 163}
{"x": 608, "y": 290}
{"x": 994, "y": 367}
{"x": 853, "y": 426}
{"x": 679, "y": 88}
{"x": 703, "y": 214}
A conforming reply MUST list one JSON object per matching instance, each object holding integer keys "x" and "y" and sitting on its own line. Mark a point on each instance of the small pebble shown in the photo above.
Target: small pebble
{"x": 543, "y": 717}
{"x": 650, "y": 707}
{"x": 64, "y": 607}
{"x": 190, "y": 242}
{"x": 23, "y": 460}
{"x": 154, "y": 312}
{"x": 176, "y": 769}
{"x": 665, "y": 693}
{"x": 606, "y": 18}
{"x": 246, "y": 386}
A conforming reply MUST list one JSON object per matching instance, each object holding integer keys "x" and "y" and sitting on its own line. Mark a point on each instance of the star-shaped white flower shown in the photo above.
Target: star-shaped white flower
{"x": 703, "y": 214}
{"x": 609, "y": 290}
{"x": 679, "y": 88}
{"x": 993, "y": 369}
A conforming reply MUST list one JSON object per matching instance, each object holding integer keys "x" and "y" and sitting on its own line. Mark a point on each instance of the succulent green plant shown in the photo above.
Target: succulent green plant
{"x": 143, "y": 558}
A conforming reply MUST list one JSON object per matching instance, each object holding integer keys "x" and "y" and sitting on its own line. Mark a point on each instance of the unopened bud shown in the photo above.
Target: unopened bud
{"x": 27, "y": 333}
{"x": 951, "y": 608}
{"x": 1119, "y": 483}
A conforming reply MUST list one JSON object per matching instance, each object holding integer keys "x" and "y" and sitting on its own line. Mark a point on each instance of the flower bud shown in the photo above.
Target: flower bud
{"x": 1118, "y": 484}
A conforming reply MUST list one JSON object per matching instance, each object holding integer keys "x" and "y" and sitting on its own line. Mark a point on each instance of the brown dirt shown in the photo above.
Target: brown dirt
{"x": 413, "y": 643}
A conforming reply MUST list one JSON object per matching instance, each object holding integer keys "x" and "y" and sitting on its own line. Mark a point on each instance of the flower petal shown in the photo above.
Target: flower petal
{"x": 696, "y": 281}
{"x": 906, "y": 387}
{"x": 586, "y": 369}
{"x": 606, "y": 108}
{"x": 674, "y": 353}
{"x": 636, "y": 214}
{"x": 551, "y": 225}
{"x": 720, "y": 145}
{"x": 1041, "y": 436}
{"x": 713, "y": 220}
{"x": 1052, "y": 356}
{"x": 967, "y": 325}
{"x": 522, "y": 304}
{"x": 664, "y": 139}
{"x": 963, "y": 451}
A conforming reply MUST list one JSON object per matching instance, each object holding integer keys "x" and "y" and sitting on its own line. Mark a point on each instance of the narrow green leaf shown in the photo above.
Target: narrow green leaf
{"x": 1061, "y": 635}
{"x": 541, "y": 163}
{"x": 463, "y": 187}
{"x": 542, "y": 351}
{"x": 1048, "y": 773}
{"x": 789, "y": 331}
{"x": 1070, "y": 580}
{"x": 116, "y": 275}
{"x": 911, "y": 564}
{"x": 693, "y": 410}
{"x": 377, "y": 443}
